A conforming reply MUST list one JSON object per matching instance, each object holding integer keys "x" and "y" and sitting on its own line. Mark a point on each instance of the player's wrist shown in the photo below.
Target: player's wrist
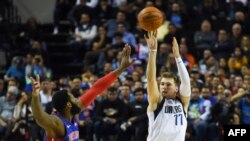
{"x": 153, "y": 50}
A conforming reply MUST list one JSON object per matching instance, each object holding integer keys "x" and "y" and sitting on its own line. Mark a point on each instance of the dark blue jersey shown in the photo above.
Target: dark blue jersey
{"x": 72, "y": 132}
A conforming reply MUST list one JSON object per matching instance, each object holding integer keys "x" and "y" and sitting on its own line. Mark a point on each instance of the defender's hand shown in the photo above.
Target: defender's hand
{"x": 35, "y": 85}
{"x": 125, "y": 59}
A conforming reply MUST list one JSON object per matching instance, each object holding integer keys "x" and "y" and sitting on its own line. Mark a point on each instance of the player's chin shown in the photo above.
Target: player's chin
{"x": 168, "y": 96}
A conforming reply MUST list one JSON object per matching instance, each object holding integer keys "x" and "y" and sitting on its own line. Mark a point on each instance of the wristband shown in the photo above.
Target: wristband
{"x": 153, "y": 50}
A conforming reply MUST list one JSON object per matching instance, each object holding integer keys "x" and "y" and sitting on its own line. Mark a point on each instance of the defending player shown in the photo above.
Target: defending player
{"x": 62, "y": 125}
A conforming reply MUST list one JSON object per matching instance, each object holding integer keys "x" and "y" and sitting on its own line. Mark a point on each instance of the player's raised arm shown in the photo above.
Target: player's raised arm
{"x": 103, "y": 83}
{"x": 185, "y": 86}
{"x": 154, "y": 96}
{"x": 53, "y": 126}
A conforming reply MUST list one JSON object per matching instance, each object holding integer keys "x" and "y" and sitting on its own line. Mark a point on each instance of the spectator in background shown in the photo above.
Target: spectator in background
{"x": 16, "y": 71}
{"x": 177, "y": 17}
{"x": 245, "y": 46}
{"x": 89, "y": 3}
{"x": 222, "y": 47}
{"x": 100, "y": 44}
{"x": 172, "y": 32}
{"x": 127, "y": 36}
{"x": 202, "y": 61}
{"x": 223, "y": 65}
{"x": 76, "y": 12}
{"x": 170, "y": 64}
{"x": 104, "y": 11}
{"x": 212, "y": 66}
{"x": 141, "y": 49}
{"x": 112, "y": 24}
{"x": 60, "y": 12}
{"x": 240, "y": 17}
{"x": 205, "y": 38}
{"x": 135, "y": 126}
{"x": 125, "y": 94}
{"x": 194, "y": 109}
{"x": 205, "y": 105}
{"x": 29, "y": 33}
{"x": 23, "y": 123}
{"x": 231, "y": 7}
{"x": 243, "y": 106}
{"x": 7, "y": 105}
{"x": 236, "y": 61}
{"x": 84, "y": 34}
{"x": 109, "y": 114}
{"x": 162, "y": 55}
{"x": 236, "y": 35}
{"x": 45, "y": 93}
{"x": 209, "y": 9}
{"x": 187, "y": 57}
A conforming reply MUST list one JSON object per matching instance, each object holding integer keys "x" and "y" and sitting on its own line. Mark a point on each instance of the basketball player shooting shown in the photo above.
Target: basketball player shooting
{"x": 168, "y": 103}
{"x": 62, "y": 125}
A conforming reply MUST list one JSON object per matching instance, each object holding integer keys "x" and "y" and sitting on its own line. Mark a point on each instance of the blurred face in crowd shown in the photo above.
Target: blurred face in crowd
{"x": 245, "y": 70}
{"x": 139, "y": 95}
{"x": 36, "y": 45}
{"x": 107, "y": 67}
{"x": 211, "y": 61}
{"x": 183, "y": 49}
{"x": 172, "y": 28}
{"x": 215, "y": 81}
{"x": 165, "y": 48}
{"x": 222, "y": 62}
{"x": 226, "y": 83}
{"x": 121, "y": 28}
{"x": 205, "y": 93}
{"x": 138, "y": 84}
{"x": 222, "y": 35}
{"x": 120, "y": 17}
{"x": 220, "y": 89}
{"x": 76, "y": 83}
{"x": 237, "y": 52}
{"x": 85, "y": 18}
{"x": 125, "y": 91}
{"x": 239, "y": 16}
{"x": 136, "y": 76}
{"x": 206, "y": 26}
{"x": 245, "y": 42}
{"x": 236, "y": 29}
{"x": 112, "y": 95}
{"x": 238, "y": 81}
{"x": 12, "y": 82}
{"x": 195, "y": 93}
{"x": 176, "y": 7}
{"x": 227, "y": 94}
{"x": 207, "y": 53}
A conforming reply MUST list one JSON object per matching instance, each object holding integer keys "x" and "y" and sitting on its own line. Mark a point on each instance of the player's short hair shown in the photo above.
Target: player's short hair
{"x": 59, "y": 100}
{"x": 173, "y": 76}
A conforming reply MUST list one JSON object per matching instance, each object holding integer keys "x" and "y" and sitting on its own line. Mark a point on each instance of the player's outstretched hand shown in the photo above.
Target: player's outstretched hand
{"x": 35, "y": 85}
{"x": 126, "y": 61}
{"x": 175, "y": 48}
{"x": 151, "y": 39}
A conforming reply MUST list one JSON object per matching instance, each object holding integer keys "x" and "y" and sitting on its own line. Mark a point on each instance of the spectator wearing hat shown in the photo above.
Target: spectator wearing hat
{"x": 7, "y": 105}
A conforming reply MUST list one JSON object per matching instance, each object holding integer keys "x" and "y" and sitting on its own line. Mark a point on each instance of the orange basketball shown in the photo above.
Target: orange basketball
{"x": 150, "y": 18}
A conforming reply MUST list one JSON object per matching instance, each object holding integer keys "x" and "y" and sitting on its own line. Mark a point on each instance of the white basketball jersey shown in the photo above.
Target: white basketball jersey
{"x": 169, "y": 124}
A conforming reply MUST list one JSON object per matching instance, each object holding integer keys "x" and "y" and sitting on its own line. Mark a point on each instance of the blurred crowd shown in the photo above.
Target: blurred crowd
{"x": 214, "y": 42}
